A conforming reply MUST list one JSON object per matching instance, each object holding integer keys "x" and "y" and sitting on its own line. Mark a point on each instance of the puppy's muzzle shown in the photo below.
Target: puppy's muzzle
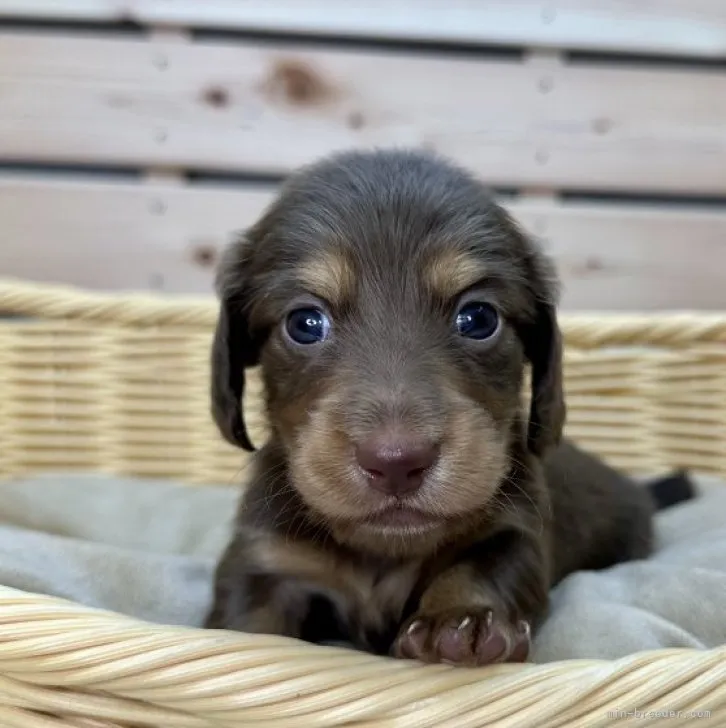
{"x": 396, "y": 464}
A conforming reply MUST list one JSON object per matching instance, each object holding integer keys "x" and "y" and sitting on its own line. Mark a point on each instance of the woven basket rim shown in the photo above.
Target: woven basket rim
{"x": 120, "y": 308}
{"x": 232, "y": 678}
{"x": 142, "y": 309}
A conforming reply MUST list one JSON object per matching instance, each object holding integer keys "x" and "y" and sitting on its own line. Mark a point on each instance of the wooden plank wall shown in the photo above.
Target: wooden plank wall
{"x": 137, "y": 137}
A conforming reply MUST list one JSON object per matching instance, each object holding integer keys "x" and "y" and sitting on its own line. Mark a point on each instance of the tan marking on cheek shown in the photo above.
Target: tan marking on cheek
{"x": 322, "y": 465}
{"x": 289, "y": 418}
{"x": 474, "y": 460}
{"x": 451, "y": 272}
{"x": 328, "y": 276}
{"x": 294, "y": 418}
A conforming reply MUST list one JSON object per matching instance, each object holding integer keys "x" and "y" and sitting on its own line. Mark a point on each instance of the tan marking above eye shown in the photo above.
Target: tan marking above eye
{"x": 450, "y": 272}
{"x": 329, "y": 276}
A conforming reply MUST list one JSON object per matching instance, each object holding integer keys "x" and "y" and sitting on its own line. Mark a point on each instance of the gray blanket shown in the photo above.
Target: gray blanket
{"x": 148, "y": 549}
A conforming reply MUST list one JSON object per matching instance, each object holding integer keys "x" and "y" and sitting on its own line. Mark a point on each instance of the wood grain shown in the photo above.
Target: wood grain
{"x": 109, "y": 235}
{"x": 695, "y": 28}
{"x": 115, "y": 235}
{"x": 630, "y": 257}
{"x": 269, "y": 109}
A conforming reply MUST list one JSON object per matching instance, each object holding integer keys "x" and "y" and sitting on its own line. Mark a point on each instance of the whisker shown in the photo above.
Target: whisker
{"x": 524, "y": 493}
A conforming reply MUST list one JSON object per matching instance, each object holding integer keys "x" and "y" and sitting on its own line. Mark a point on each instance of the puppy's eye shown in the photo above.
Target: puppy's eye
{"x": 477, "y": 320}
{"x": 307, "y": 325}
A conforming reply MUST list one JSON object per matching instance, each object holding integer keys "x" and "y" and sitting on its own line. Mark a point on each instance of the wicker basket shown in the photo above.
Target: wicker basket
{"x": 120, "y": 384}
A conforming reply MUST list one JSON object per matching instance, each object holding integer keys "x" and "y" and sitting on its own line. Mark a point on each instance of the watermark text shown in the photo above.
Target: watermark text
{"x": 654, "y": 714}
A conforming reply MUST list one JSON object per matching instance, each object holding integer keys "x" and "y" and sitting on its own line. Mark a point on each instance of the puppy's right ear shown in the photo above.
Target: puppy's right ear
{"x": 234, "y": 349}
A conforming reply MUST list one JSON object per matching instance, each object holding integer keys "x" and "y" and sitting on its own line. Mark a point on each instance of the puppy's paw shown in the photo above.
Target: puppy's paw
{"x": 463, "y": 637}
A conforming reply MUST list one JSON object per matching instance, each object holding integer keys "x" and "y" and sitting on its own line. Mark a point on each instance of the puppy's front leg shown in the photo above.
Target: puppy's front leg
{"x": 268, "y": 585}
{"x": 481, "y": 610}
{"x": 251, "y": 597}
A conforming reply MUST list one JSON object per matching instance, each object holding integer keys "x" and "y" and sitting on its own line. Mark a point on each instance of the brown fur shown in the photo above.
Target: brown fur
{"x": 329, "y": 277}
{"x": 389, "y": 244}
{"x": 450, "y": 272}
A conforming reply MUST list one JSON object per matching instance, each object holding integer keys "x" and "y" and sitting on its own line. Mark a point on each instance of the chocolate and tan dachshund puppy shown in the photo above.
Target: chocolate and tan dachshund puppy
{"x": 407, "y": 502}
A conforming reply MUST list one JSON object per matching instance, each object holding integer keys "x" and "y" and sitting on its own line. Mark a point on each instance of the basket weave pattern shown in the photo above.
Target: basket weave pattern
{"x": 120, "y": 384}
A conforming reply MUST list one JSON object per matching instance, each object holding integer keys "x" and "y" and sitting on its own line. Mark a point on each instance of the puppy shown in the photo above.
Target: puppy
{"x": 406, "y": 502}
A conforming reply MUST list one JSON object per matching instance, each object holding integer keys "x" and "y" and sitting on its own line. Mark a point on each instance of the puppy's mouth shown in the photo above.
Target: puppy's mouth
{"x": 401, "y": 517}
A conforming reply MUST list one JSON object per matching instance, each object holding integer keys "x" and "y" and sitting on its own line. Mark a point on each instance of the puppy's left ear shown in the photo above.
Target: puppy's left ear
{"x": 542, "y": 340}
{"x": 543, "y": 348}
{"x": 234, "y": 349}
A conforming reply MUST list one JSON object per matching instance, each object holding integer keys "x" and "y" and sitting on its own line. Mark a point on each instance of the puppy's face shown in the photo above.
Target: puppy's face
{"x": 392, "y": 306}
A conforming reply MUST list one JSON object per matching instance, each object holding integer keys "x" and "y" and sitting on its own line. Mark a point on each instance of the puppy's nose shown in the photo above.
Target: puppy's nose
{"x": 396, "y": 466}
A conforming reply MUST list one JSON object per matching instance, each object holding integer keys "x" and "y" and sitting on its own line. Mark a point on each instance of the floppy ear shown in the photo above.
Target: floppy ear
{"x": 542, "y": 343}
{"x": 543, "y": 348}
{"x": 233, "y": 350}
